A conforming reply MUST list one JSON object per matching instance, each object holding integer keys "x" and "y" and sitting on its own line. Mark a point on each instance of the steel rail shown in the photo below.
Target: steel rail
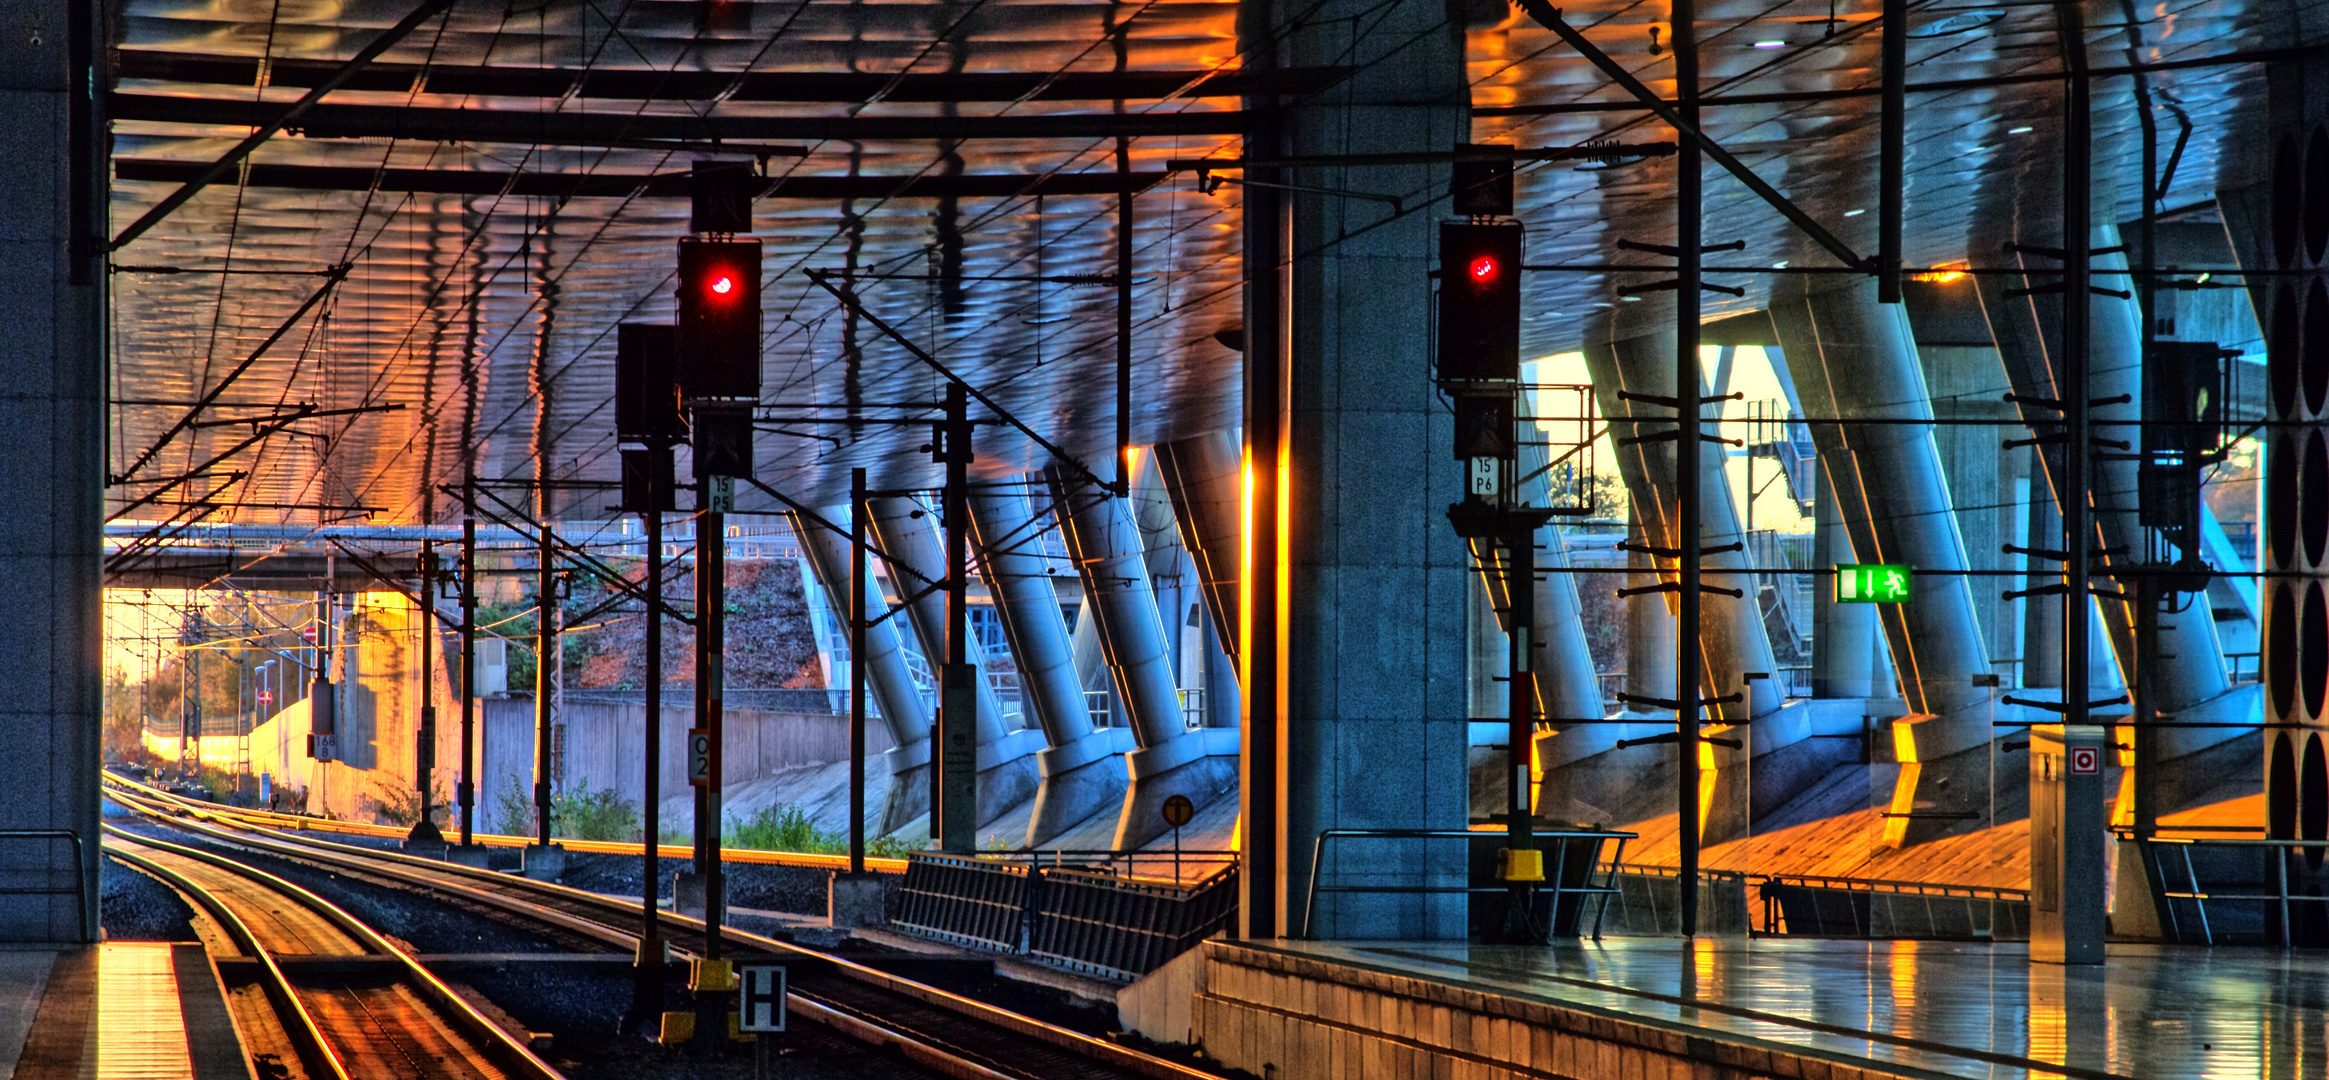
{"x": 493, "y": 1044}
{"x": 307, "y": 1040}
{"x": 817, "y": 1000}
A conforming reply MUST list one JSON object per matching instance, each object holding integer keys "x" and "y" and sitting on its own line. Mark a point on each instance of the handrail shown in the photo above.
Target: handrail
{"x": 1318, "y": 855}
{"x": 80, "y": 889}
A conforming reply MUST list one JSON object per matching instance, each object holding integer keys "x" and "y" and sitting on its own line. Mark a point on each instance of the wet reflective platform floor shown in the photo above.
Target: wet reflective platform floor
{"x": 1937, "y": 1008}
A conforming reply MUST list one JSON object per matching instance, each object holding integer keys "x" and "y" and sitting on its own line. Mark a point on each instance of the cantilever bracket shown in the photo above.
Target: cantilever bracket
{"x": 1672, "y": 251}
{"x": 1676, "y": 737}
{"x": 1676, "y": 553}
{"x": 2059, "y": 707}
{"x": 1673, "y": 284}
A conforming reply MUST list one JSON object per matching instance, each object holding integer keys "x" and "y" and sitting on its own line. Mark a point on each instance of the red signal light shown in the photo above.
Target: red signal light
{"x": 723, "y": 285}
{"x": 1484, "y": 269}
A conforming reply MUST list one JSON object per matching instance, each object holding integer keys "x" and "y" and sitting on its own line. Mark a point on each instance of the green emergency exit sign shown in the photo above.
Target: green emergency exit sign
{"x": 1872, "y": 583}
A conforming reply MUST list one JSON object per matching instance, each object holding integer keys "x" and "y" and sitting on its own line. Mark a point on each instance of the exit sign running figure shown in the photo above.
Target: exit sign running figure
{"x": 1872, "y": 583}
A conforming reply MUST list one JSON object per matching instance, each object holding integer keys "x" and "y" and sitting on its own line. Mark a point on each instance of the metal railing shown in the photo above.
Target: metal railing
{"x": 80, "y": 887}
{"x": 1555, "y": 883}
{"x": 2276, "y": 852}
{"x": 1806, "y": 905}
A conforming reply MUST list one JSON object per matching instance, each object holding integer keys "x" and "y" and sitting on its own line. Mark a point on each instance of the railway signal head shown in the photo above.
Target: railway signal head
{"x": 719, "y": 319}
{"x": 1479, "y": 302}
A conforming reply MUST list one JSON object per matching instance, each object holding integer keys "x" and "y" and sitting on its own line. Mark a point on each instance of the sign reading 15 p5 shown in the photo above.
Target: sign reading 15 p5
{"x": 1873, "y": 583}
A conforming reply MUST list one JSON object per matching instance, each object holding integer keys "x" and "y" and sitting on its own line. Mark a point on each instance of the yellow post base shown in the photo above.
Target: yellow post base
{"x": 1513, "y": 864}
{"x": 678, "y": 1029}
{"x": 711, "y": 976}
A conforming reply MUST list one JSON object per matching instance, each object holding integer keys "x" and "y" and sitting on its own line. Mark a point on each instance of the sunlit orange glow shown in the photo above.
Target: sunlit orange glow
{"x": 1946, "y": 273}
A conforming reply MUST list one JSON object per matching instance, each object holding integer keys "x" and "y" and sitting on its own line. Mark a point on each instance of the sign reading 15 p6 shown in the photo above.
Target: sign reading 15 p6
{"x": 1873, "y": 583}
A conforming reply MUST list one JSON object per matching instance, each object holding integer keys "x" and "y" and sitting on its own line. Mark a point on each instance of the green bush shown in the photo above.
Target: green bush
{"x": 580, "y": 813}
{"x": 786, "y": 827}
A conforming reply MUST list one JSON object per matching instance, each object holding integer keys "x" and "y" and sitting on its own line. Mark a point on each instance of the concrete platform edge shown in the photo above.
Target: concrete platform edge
{"x": 1259, "y": 999}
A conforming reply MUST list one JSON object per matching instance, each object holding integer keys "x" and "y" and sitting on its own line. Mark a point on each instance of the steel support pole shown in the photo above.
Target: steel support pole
{"x": 2081, "y": 877}
{"x": 1520, "y": 735}
{"x": 956, "y": 807}
{"x": 424, "y": 758}
{"x": 647, "y": 1001}
{"x": 857, "y": 620}
{"x": 2077, "y": 240}
{"x": 1123, "y": 325}
{"x": 1260, "y": 879}
{"x": 1892, "y": 148}
{"x": 711, "y": 571}
{"x": 1688, "y": 660}
{"x": 2148, "y": 594}
{"x": 467, "y": 792}
{"x": 545, "y": 668}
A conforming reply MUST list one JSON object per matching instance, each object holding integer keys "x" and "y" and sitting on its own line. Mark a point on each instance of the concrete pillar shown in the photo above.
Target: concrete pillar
{"x": 1205, "y": 478}
{"x": 1079, "y": 769}
{"x": 1731, "y": 639}
{"x": 1171, "y": 760}
{"x": 1843, "y": 645}
{"x": 2190, "y": 684}
{"x": 1649, "y": 634}
{"x": 892, "y": 685}
{"x": 1369, "y": 681}
{"x": 1853, "y": 357}
{"x": 916, "y": 556}
{"x": 53, "y": 413}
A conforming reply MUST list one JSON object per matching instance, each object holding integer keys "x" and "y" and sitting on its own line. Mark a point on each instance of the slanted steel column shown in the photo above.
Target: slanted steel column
{"x": 1079, "y": 773}
{"x": 1106, "y": 547}
{"x": 903, "y": 711}
{"x": 1853, "y": 356}
{"x": 1843, "y": 635}
{"x": 1202, "y": 475}
{"x": 1006, "y": 774}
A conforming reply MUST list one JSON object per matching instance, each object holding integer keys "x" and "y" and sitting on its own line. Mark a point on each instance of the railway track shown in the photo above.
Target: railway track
{"x": 316, "y": 991}
{"x": 947, "y": 1032}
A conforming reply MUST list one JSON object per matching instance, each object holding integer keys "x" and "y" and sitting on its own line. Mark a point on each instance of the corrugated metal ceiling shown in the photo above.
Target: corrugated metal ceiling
{"x": 487, "y": 274}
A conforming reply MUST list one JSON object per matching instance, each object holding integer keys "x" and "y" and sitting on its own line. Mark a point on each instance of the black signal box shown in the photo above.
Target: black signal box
{"x": 647, "y": 406}
{"x": 1479, "y": 302}
{"x": 1480, "y": 185}
{"x": 719, "y": 319}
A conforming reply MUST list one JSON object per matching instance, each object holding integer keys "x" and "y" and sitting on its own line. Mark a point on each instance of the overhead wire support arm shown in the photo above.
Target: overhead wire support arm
{"x": 427, "y": 10}
{"x": 525, "y": 523}
{"x": 849, "y": 299}
{"x": 1550, "y": 18}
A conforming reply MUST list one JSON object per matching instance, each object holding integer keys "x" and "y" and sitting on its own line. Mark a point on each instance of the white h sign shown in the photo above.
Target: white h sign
{"x": 760, "y": 994}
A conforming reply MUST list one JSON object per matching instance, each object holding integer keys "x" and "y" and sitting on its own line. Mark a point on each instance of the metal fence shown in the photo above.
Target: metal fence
{"x": 1082, "y": 918}
{"x": 1123, "y": 928}
{"x": 965, "y": 900}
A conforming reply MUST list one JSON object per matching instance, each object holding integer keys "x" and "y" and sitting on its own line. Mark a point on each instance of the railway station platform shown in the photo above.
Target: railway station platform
{"x": 116, "y": 1011}
{"x": 1842, "y": 1010}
